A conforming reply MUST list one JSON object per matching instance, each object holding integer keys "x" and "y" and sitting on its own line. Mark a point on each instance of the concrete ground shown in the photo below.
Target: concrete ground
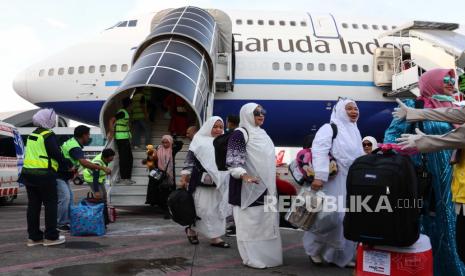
{"x": 141, "y": 242}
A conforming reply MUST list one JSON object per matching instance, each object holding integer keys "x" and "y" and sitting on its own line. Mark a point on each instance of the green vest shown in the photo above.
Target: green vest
{"x": 88, "y": 173}
{"x": 36, "y": 159}
{"x": 122, "y": 126}
{"x": 147, "y": 95}
{"x": 137, "y": 108}
{"x": 67, "y": 147}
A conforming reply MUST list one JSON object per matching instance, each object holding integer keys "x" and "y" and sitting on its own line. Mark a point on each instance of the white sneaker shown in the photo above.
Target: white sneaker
{"x": 31, "y": 243}
{"x": 60, "y": 240}
{"x": 135, "y": 147}
{"x": 316, "y": 260}
{"x": 351, "y": 264}
{"x": 127, "y": 182}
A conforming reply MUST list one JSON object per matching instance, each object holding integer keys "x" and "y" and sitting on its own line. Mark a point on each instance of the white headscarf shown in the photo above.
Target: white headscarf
{"x": 347, "y": 146}
{"x": 45, "y": 118}
{"x": 260, "y": 160}
{"x": 372, "y": 141}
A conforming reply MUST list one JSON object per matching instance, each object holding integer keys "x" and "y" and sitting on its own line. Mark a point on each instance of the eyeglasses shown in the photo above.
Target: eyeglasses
{"x": 258, "y": 113}
{"x": 368, "y": 144}
{"x": 449, "y": 80}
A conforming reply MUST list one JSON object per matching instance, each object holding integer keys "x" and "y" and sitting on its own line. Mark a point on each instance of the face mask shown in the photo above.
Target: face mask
{"x": 443, "y": 98}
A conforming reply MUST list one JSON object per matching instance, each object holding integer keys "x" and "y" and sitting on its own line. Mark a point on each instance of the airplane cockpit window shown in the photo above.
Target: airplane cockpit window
{"x": 332, "y": 67}
{"x": 238, "y": 22}
{"x": 303, "y": 23}
{"x": 102, "y": 68}
{"x": 249, "y": 21}
{"x": 51, "y": 71}
{"x": 375, "y": 27}
{"x": 321, "y": 66}
{"x": 354, "y": 68}
{"x": 344, "y": 67}
{"x": 355, "y": 26}
{"x": 287, "y": 66}
{"x": 366, "y": 68}
{"x": 113, "y": 68}
{"x": 298, "y": 66}
{"x": 122, "y": 24}
{"x": 92, "y": 69}
{"x": 41, "y": 73}
{"x": 345, "y": 25}
{"x": 124, "y": 68}
{"x": 61, "y": 71}
{"x": 271, "y": 22}
{"x": 275, "y": 66}
{"x": 282, "y": 23}
{"x": 385, "y": 27}
{"x": 132, "y": 23}
{"x": 365, "y": 26}
{"x": 81, "y": 69}
{"x": 292, "y": 23}
{"x": 260, "y": 22}
{"x": 71, "y": 70}
{"x": 310, "y": 67}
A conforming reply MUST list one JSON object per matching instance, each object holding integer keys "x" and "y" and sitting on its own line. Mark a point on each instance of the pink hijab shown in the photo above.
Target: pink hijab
{"x": 166, "y": 155}
{"x": 431, "y": 83}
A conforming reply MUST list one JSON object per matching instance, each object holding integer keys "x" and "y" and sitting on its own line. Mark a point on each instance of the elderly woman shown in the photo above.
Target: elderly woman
{"x": 436, "y": 89}
{"x": 208, "y": 185}
{"x": 332, "y": 247}
{"x": 369, "y": 144}
{"x": 42, "y": 159}
{"x": 251, "y": 160}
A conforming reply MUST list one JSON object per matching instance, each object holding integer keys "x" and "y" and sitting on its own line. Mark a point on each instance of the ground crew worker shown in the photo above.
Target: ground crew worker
{"x": 96, "y": 178}
{"x": 139, "y": 120}
{"x": 119, "y": 125}
{"x": 39, "y": 173}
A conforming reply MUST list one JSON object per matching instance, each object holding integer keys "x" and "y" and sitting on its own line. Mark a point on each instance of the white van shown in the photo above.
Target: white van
{"x": 11, "y": 162}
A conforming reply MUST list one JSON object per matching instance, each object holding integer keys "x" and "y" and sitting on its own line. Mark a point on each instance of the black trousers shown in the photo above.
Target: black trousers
{"x": 46, "y": 194}
{"x": 125, "y": 158}
{"x": 460, "y": 235}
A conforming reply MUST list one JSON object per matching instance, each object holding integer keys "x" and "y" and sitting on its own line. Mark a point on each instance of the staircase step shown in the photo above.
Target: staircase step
{"x": 129, "y": 190}
{"x": 127, "y": 200}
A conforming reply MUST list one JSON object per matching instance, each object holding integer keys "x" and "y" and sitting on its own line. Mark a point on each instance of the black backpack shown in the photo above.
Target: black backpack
{"x": 385, "y": 175}
{"x": 182, "y": 208}
{"x": 221, "y": 148}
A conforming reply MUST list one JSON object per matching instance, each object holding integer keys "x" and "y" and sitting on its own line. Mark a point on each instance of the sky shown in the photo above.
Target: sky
{"x": 32, "y": 30}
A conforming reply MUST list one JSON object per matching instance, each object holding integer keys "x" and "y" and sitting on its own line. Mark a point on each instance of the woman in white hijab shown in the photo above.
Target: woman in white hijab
{"x": 208, "y": 185}
{"x": 332, "y": 247}
{"x": 369, "y": 144}
{"x": 251, "y": 160}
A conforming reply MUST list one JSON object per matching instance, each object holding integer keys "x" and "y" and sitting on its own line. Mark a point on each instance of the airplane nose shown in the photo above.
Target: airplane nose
{"x": 20, "y": 84}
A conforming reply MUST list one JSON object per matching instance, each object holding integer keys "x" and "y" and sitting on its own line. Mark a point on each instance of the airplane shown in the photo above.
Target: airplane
{"x": 295, "y": 64}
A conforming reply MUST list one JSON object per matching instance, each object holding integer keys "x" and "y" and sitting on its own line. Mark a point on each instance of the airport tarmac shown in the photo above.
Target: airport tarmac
{"x": 141, "y": 242}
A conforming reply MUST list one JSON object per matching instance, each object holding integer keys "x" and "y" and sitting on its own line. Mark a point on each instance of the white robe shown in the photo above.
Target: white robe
{"x": 212, "y": 223}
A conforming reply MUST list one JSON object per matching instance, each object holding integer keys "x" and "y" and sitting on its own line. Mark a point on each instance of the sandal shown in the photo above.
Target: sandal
{"x": 221, "y": 244}
{"x": 192, "y": 239}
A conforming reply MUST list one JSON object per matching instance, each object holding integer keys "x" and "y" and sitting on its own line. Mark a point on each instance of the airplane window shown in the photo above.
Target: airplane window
{"x": 303, "y": 23}
{"x": 102, "y": 68}
{"x": 393, "y": 27}
{"x": 239, "y": 22}
{"x": 51, "y": 71}
{"x": 271, "y": 22}
{"x": 344, "y": 67}
{"x": 275, "y": 66}
{"x": 381, "y": 66}
{"x": 122, "y": 24}
{"x": 385, "y": 27}
{"x": 113, "y": 68}
{"x": 345, "y": 25}
{"x": 71, "y": 70}
{"x": 92, "y": 69}
{"x": 81, "y": 70}
{"x": 260, "y": 22}
{"x": 249, "y": 22}
{"x": 287, "y": 66}
{"x": 282, "y": 23}
{"x": 41, "y": 73}
{"x": 310, "y": 67}
{"x": 366, "y": 68}
{"x": 292, "y": 23}
{"x": 354, "y": 68}
{"x": 375, "y": 27}
{"x": 298, "y": 66}
{"x": 355, "y": 26}
{"x": 365, "y": 26}
{"x": 61, "y": 71}
{"x": 321, "y": 67}
{"x": 124, "y": 68}
{"x": 132, "y": 23}
{"x": 332, "y": 67}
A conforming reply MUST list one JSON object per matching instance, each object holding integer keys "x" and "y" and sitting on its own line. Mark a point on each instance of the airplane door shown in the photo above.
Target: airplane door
{"x": 324, "y": 26}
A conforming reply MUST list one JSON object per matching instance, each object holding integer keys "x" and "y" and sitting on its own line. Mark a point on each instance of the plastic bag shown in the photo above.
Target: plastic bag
{"x": 87, "y": 219}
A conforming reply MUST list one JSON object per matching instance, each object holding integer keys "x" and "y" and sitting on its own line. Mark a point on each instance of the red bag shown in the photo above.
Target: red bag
{"x": 111, "y": 213}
